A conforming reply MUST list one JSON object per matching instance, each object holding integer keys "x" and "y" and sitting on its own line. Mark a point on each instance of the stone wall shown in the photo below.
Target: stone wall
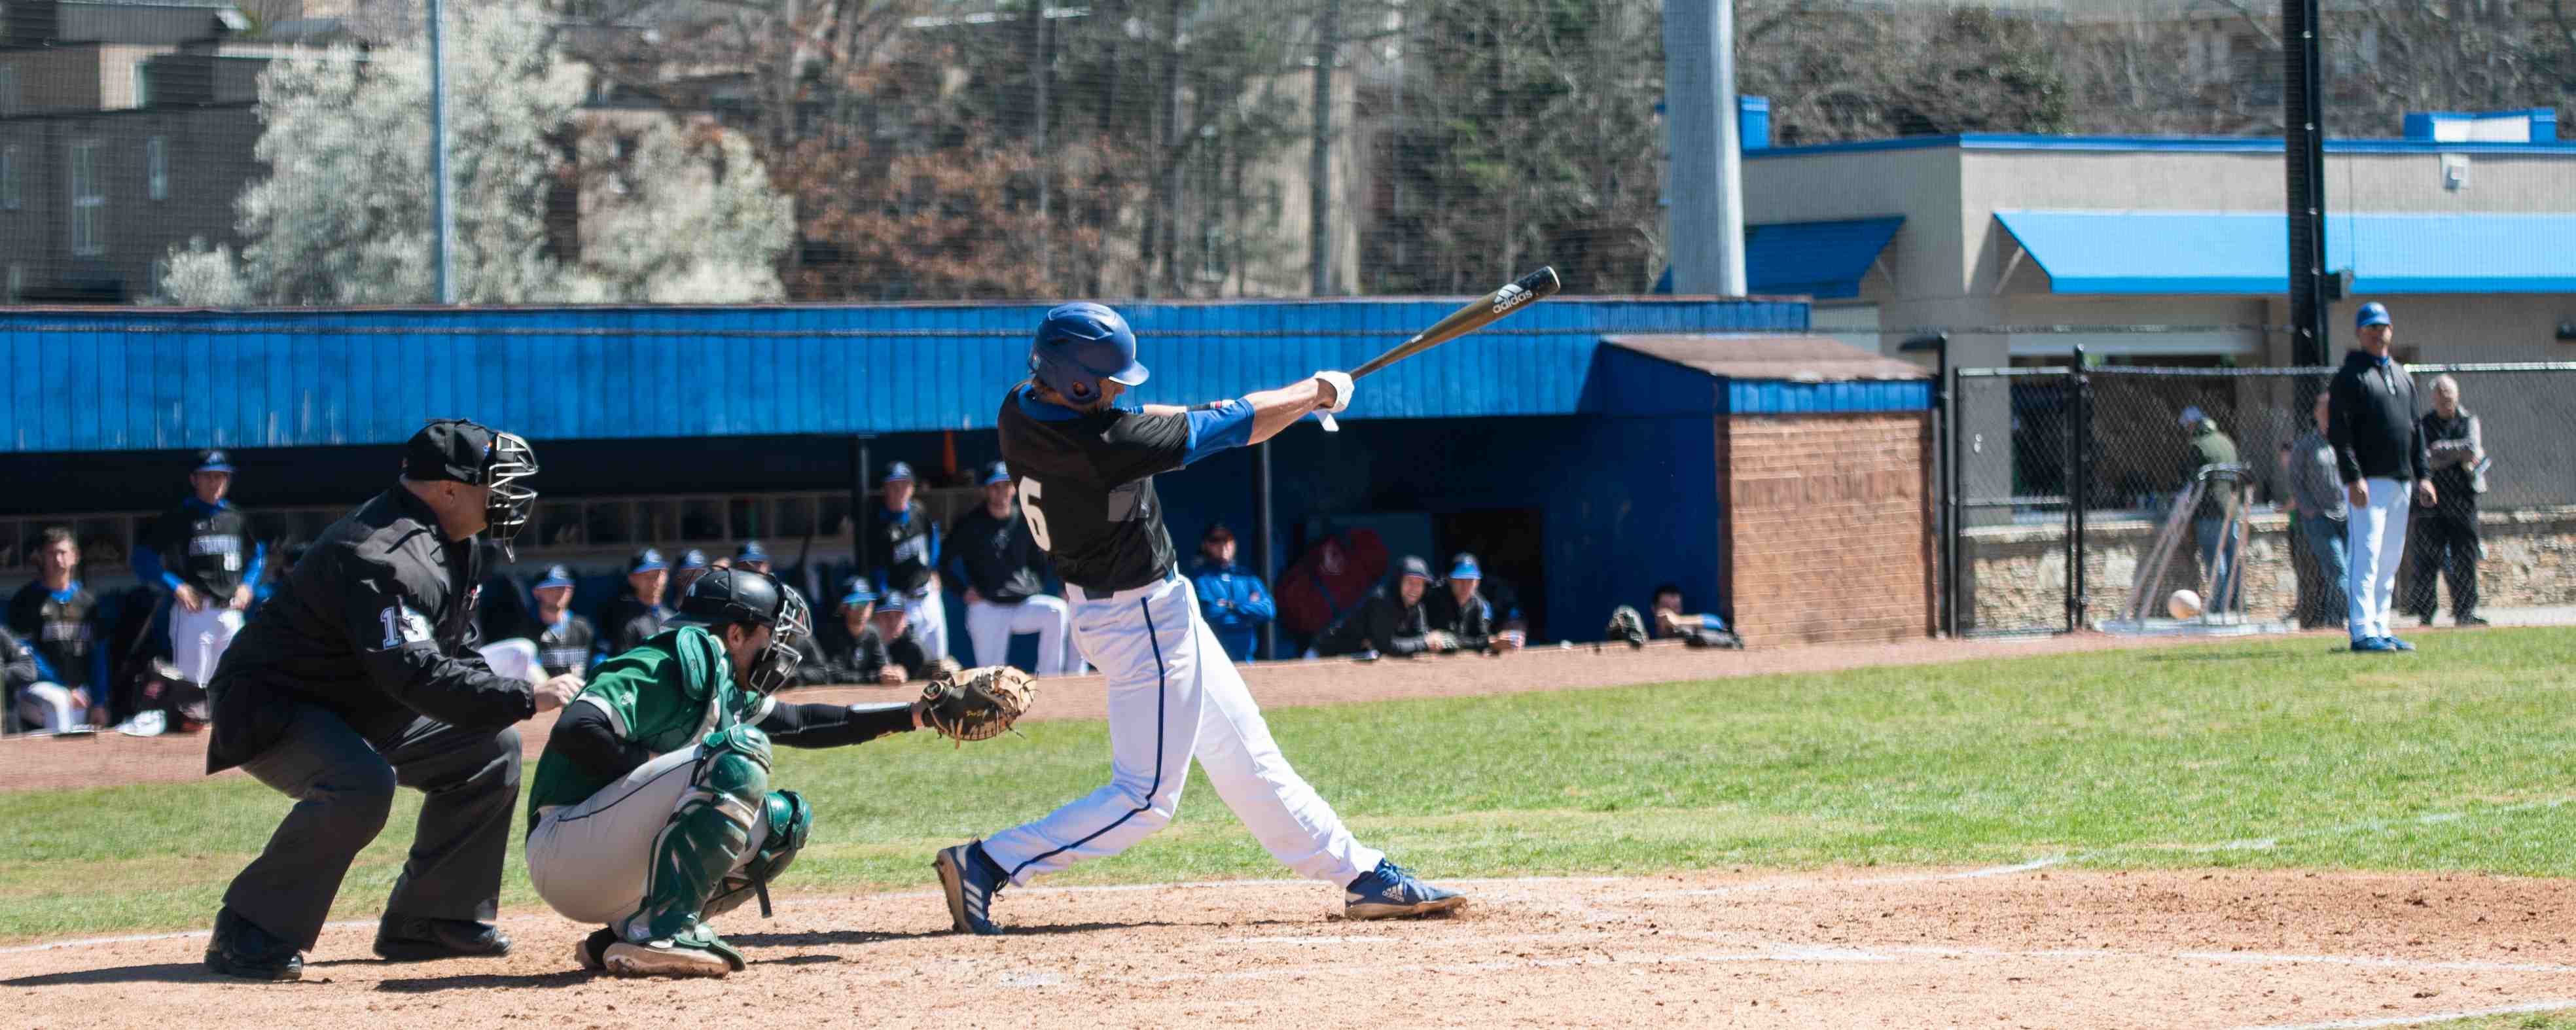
{"x": 1828, "y": 523}
{"x": 2016, "y": 575}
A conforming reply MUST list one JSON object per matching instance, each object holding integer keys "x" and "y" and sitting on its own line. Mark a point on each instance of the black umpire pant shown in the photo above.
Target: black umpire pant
{"x": 343, "y": 784}
{"x": 2446, "y": 543}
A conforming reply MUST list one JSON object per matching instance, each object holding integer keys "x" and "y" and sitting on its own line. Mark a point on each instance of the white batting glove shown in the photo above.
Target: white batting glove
{"x": 1341, "y": 384}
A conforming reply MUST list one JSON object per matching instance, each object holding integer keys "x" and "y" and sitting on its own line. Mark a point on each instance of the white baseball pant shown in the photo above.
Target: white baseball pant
{"x": 588, "y": 860}
{"x": 1174, "y": 696}
{"x": 2375, "y": 539}
{"x": 198, "y": 638}
{"x": 929, "y": 619}
{"x": 991, "y": 625}
{"x": 47, "y": 706}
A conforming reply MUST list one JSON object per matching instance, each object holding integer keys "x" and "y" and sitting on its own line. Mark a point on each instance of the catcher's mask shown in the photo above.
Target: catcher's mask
{"x": 726, "y": 596}
{"x": 506, "y": 511}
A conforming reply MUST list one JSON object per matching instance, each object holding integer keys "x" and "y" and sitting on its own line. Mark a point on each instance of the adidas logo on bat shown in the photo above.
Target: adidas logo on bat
{"x": 1509, "y": 297}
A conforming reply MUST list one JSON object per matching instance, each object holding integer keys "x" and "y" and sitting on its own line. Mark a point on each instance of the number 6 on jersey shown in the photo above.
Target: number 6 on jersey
{"x": 1030, "y": 489}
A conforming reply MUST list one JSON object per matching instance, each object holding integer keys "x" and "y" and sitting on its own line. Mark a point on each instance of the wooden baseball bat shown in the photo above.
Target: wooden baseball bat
{"x": 1520, "y": 293}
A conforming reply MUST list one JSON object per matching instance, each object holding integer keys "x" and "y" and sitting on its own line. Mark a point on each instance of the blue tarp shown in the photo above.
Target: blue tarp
{"x": 2212, "y": 252}
{"x": 1824, "y": 260}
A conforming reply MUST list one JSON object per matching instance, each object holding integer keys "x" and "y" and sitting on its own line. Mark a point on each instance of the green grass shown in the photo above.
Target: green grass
{"x": 2128, "y": 759}
{"x": 2528, "y": 1021}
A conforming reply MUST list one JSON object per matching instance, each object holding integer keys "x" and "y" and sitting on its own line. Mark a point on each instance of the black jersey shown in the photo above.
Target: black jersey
{"x": 64, "y": 628}
{"x": 1001, "y": 559}
{"x": 207, "y": 548}
{"x": 906, "y": 549}
{"x": 565, "y": 646}
{"x": 1086, "y": 481}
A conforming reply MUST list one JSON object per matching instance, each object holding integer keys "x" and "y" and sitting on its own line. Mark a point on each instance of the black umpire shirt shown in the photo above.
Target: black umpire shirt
{"x": 374, "y": 624}
{"x": 1086, "y": 481}
{"x": 1000, "y": 557}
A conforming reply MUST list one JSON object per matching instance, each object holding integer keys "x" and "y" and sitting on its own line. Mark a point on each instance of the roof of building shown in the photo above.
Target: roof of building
{"x": 2167, "y": 144}
{"x": 1803, "y": 359}
{"x": 2246, "y": 252}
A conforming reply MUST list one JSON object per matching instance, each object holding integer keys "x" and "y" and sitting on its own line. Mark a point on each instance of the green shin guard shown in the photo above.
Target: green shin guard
{"x": 703, "y": 840}
{"x": 789, "y": 820}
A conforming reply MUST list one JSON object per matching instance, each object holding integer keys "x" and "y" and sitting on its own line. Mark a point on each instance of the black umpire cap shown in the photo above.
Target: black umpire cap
{"x": 451, "y": 449}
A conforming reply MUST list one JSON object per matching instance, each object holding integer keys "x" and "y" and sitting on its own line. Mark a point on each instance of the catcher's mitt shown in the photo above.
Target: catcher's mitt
{"x": 977, "y": 704}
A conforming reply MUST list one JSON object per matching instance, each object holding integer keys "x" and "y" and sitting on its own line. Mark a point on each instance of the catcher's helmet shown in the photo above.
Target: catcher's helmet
{"x": 726, "y": 596}
{"x": 1080, "y": 344}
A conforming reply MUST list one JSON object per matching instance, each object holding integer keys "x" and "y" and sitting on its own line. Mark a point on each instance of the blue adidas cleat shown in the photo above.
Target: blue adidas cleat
{"x": 1389, "y": 892}
{"x": 2373, "y": 645}
{"x": 971, "y": 878}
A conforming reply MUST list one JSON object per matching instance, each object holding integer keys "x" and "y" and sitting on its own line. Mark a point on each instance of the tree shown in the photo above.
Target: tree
{"x": 1851, "y": 71}
{"x": 346, "y": 217}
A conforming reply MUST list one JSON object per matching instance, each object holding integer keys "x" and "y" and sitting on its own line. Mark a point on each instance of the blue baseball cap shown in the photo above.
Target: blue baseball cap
{"x": 646, "y": 560}
{"x": 750, "y": 551}
{"x": 1464, "y": 567}
{"x": 213, "y": 461}
{"x": 999, "y": 473}
{"x": 2373, "y": 313}
{"x": 855, "y": 590}
{"x": 693, "y": 559}
{"x": 556, "y": 576}
{"x": 892, "y": 602}
{"x": 897, "y": 472}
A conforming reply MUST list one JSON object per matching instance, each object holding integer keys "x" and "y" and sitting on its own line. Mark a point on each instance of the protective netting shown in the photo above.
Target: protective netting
{"x": 278, "y": 151}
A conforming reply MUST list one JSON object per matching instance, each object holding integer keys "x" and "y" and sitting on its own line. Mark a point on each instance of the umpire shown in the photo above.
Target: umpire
{"x": 358, "y": 677}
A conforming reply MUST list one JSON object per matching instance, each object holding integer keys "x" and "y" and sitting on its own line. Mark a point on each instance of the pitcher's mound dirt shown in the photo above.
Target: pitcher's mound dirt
{"x": 1867, "y": 948}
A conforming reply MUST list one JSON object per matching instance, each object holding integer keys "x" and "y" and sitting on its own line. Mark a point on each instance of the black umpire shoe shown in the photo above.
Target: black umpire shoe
{"x": 415, "y": 939}
{"x": 240, "y": 948}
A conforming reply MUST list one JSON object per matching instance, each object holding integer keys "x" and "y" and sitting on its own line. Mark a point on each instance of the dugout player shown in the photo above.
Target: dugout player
{"x": 1085, "y": 470}
{"x": 564, "y": 639}
{"x": 1231, "y": 598}
{"x": 1005, "y": 591}
{"x": 1462, "y": 611}
{"x": 637, "y": 615}
{"x": 203, "y": 553}
{"x": 360, "y": 678}
{"x": 1392, "y": 620}
{"x": 906, "y": 555}
{"x": 651, "y": 810}
{"x": 58, "y": 619}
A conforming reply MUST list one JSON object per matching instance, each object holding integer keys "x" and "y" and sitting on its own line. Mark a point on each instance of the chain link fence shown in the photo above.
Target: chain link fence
{"x": 2048, "y": 534}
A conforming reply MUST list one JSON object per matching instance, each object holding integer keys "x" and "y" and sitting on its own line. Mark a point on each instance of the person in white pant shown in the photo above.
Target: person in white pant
{"x": 1085, "y": 472}
{"x": 2381, "y": 455}
{"x": 203, "y": 552}
{"x": 1003, "y": 570}
{"x": 35, "y": 703}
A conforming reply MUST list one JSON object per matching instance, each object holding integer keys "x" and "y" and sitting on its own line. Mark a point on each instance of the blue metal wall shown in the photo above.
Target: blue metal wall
{"x": 131, "y": 379}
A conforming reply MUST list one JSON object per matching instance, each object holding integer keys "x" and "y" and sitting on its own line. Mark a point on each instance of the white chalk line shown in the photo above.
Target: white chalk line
{"x": 2555, "y": 1005}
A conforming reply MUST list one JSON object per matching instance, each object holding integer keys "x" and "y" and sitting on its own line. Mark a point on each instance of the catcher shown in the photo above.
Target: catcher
{"x": 651, "y": 811}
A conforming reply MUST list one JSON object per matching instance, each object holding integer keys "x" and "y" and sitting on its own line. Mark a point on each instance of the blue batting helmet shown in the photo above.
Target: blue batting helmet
{"x": 1080, "y": 344}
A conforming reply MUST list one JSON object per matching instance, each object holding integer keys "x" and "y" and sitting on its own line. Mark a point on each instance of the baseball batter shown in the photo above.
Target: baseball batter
{"x": 1085, "y": 471}
{"x": 651, "y": 811}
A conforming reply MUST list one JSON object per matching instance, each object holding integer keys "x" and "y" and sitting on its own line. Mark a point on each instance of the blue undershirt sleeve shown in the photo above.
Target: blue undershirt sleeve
{"x": 1217, "y": 427}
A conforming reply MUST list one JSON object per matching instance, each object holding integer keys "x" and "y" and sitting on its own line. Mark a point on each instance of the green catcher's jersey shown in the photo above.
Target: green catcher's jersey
{"x": 665, "y": 694}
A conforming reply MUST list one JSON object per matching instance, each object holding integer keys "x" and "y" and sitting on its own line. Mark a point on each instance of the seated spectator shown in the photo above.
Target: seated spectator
{"x": 60, "y": 622}
{"x": 563, "y": 638}
{"x": 888, "y": 650}
{"x": 1231, "y": 598}
{"x": 31, "y": 702}
{"x": 1391, "y": 621}
{"x": 1466, "y": 615}
{"x": 638, "y": 614}
{"x": 1702, "y": 629}
{"x": 751, "y": 556}
{"x": 832, "y": 656}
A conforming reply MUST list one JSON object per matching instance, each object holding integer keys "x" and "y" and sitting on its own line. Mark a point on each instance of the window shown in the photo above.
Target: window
{"x": 156, "y": 163}
{"x": 8, "y": 91}
{"x": 17, "y": 281}
{"x": 9, "y": 178}
{"x": 89, "y": 200}
{"x": 154, "y": 276}
{"x": 142, "y": 87}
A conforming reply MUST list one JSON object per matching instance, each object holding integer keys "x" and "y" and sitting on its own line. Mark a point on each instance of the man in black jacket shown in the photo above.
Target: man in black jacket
{"x": 1462, "y": 611}
{"x": 2446, "y": 534}
{"x": 638, "y": 614}
{"x": 2381, "y": 457}
{"x": 1392, "y": 621}
{"x": 360, "y": 677}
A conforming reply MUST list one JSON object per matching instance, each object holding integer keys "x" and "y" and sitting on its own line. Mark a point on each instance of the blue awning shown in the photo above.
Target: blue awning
{"x": 2207, "y": 252}
{"x": 1824, "y": 260}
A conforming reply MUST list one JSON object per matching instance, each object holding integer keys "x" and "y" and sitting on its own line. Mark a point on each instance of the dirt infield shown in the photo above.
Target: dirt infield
{"x": 2019, "y": 947}
{"x": 44, "y": 763}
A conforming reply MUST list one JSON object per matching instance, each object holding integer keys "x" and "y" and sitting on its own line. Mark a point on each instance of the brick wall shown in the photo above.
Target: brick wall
{"x": 1827, "y": 526}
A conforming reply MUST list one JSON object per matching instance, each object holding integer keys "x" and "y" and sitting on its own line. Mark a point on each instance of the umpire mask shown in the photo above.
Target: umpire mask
{"x": 506, "y": 511}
